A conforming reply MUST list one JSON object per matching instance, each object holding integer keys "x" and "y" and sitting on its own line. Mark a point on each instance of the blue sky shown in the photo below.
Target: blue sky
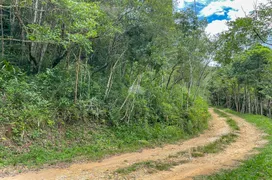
{"x": 218, "y": 12}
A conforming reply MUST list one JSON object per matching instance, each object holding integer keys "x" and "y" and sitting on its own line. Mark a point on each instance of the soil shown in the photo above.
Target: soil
{"x": 245, "y": 145}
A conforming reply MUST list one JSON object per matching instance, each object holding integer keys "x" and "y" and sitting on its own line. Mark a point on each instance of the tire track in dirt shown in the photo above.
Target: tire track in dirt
{"x": 249, "y": 138}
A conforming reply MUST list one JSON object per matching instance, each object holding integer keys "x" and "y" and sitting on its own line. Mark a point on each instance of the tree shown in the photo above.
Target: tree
{"x": 56, "y": 27}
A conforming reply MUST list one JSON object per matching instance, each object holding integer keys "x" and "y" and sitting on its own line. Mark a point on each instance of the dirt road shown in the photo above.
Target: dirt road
{"x": 249, "y": 138}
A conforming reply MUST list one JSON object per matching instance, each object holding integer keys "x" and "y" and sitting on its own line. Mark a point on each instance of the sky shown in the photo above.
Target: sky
{"x": 218, "y": 12}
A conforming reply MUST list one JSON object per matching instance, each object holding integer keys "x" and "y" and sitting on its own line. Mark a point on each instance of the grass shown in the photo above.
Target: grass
{"x": 233, "y": 125}
{"x": 178, "y": 158}
{"x": 150, "y": 165}
{"x": 82, "y": 144}
{"x": 174, "y": 160}
{"x": 221, "y": 113}
{"x": 221, "y": 143}
{"x": 256, "y": 167}
{"x": 154, "y": 166}
{"x": 214, "y": 147}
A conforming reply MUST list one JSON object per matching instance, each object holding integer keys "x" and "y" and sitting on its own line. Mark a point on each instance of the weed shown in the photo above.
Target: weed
{"x": 233, "y": 124}
{"x": 214, "y": 147}
{"x": 151, "y": 166}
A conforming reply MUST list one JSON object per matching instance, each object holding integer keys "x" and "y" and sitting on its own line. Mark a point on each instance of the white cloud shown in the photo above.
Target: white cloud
{"x": 220, "y": 13}
{"x": 181, "y": 3}
{"x": 216, "y": 27}
{"x": 236, "y": 14}
{"x": 212, "y": 8}
{"x": 239, "y": 9}
{"x": 198, "y": 1}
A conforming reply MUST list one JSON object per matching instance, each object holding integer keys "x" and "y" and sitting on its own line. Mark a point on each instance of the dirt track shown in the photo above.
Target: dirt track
{"x": 249, "y": 138}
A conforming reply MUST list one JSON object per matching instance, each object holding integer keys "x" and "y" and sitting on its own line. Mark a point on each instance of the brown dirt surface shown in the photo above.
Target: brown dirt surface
{"x": 249, "y": 138}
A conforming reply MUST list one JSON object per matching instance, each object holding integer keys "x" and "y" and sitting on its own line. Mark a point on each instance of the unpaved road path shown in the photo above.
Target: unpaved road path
{"x": 249, "y": 138}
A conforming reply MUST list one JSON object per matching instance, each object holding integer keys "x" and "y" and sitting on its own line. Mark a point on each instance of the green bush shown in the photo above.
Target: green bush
{"x": 42, "y": 106}
{"x": 198, "y": 116}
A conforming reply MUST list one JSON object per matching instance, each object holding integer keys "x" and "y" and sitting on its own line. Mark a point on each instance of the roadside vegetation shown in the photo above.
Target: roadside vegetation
{"x": 88, "y": 79}
{"x": 82, "y": 80}
{"x": 86, "y": 143}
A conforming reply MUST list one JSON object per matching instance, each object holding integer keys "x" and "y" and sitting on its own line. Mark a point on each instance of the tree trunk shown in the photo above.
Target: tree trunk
{"x": 77, "y": 76}
{"x": 200, "y": 79}
{"x": 43, "y": 50}
{"x": 244, "y": 101}
{"x": 190, "y": 82}
{"x": 261, "y": 106}
{"x": 218, "y": 98}
{"x": 16, "y": 6}
{"x": 256, "y": 105}
{"x": 36, "y": 11}
{"x": 41, "y": 15}
{"x": 269, "y": 108}
{"x": 33, "y": 48}
{"x": 109, "y": 84}
{"x": 44, "y": 47}
{"x": 239, "y": 99}
{"x": 171, "y": 73}
{"x": 228, "y": 101}
{"x": 2, "y": 31}
{"x": 249, "y": 101}
{"x": 236, "y": 99}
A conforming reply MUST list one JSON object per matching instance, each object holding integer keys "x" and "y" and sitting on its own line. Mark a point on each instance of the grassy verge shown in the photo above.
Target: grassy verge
{"x": 257, "y": 167}
{"x": 83, "y": 143}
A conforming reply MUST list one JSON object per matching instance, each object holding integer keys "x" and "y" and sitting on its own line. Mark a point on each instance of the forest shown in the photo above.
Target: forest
{"x": 81, "y": 77}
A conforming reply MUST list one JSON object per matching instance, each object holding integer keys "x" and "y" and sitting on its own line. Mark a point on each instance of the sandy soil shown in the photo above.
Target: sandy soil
{"x": 249, "y": 138}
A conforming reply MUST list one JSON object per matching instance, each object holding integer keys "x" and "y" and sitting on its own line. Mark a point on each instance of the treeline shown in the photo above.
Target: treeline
{"x": 111, "y": 62}
{"x": 243, "y": 82}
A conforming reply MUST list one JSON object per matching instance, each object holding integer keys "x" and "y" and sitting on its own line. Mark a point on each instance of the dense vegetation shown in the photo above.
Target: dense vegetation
{"x": 98, "y": 77}
{"x": 90, "y": 78}
{"x": 243, "y": 82}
